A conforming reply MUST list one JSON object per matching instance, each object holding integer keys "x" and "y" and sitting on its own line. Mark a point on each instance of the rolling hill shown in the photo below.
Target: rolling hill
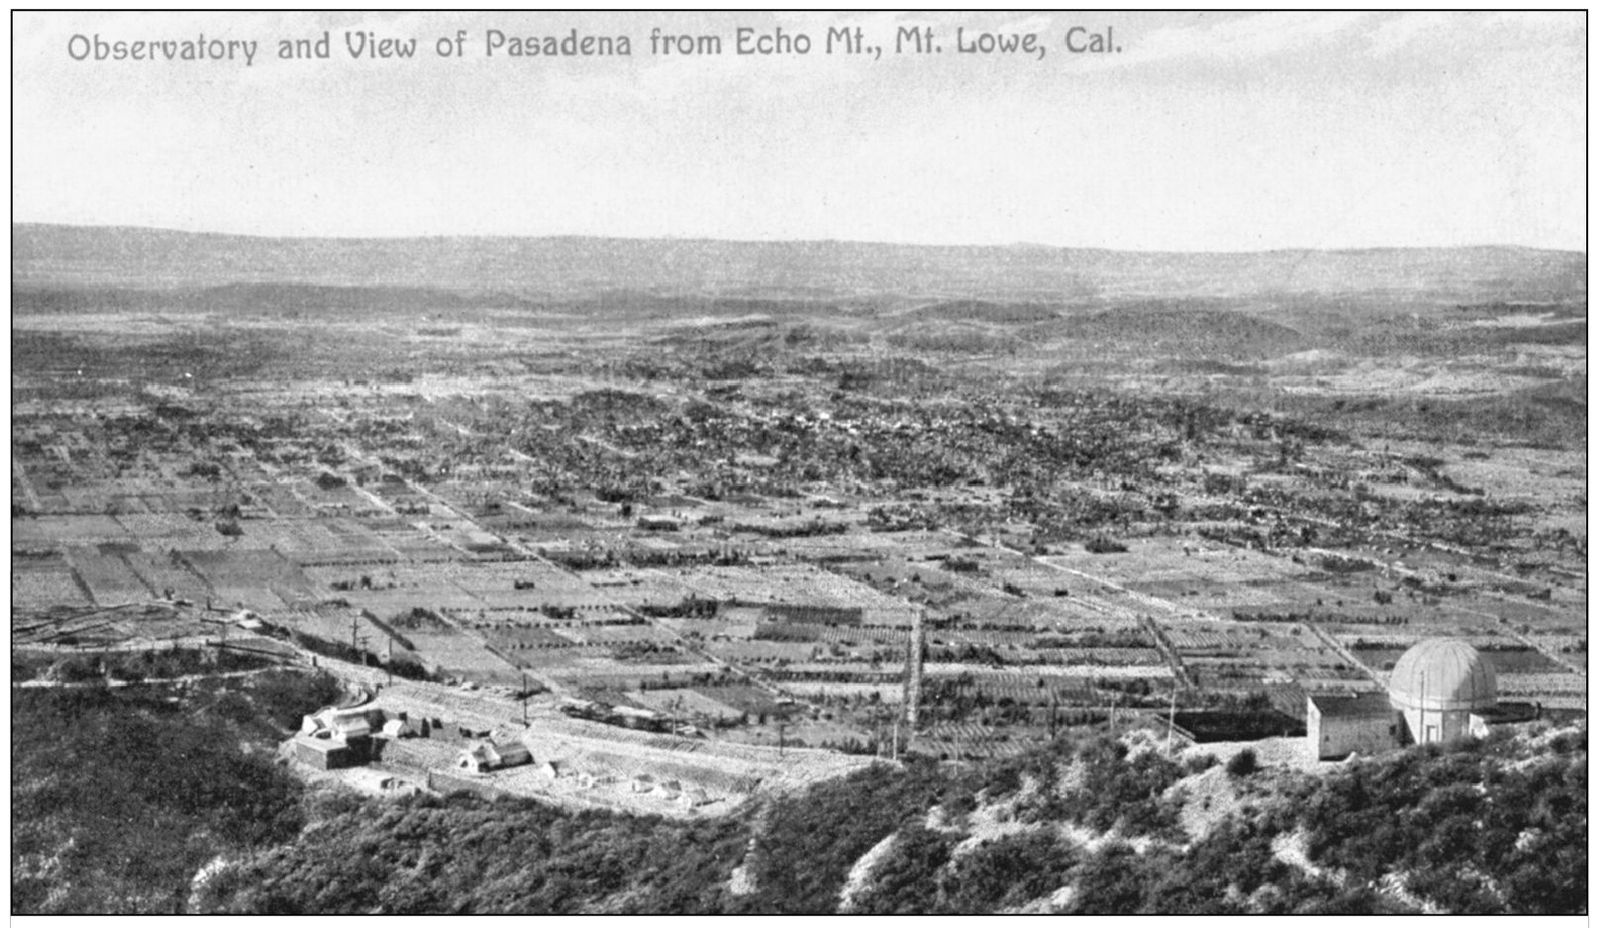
{"x": 566, "y": 268}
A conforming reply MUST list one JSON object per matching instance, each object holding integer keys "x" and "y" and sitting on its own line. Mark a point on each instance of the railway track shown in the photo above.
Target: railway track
{"x": 1323, "y": 636}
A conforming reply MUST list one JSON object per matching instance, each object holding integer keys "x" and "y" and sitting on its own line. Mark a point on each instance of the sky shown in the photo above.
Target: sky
{"x": 1206, "y": 132}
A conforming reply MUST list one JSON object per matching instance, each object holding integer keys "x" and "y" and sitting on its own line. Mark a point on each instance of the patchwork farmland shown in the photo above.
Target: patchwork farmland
{"x": 755, "y": 528}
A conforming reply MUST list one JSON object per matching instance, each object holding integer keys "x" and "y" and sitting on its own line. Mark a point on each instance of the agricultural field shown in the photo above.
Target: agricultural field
{"x": 724, "y": 509}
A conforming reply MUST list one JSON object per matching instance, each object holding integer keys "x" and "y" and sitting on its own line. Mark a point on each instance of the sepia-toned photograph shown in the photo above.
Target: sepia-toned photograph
{"x": 862, "y": 463}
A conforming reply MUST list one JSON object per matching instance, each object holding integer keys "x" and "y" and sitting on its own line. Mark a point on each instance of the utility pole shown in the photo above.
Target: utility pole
{"x": 895, "y": 739}
{"x": 913, "y": 669}
{"x": 524, "y": 696}
{"x": 1171, "y": 721}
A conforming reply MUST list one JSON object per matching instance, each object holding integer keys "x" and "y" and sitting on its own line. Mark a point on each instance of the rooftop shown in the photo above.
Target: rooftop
{"x": 1353, "y": 705}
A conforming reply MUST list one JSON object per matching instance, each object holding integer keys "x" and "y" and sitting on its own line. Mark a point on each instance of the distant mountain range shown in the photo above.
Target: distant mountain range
{"x": 54, "y": 257}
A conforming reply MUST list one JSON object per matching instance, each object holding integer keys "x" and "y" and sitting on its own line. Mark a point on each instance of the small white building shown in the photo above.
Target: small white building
{"x": 1339, "y": 725}
{"x": 487, "y": 756}
{"x": 343, "y": 723}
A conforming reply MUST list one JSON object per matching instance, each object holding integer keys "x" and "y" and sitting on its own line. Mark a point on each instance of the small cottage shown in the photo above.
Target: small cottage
{"x": 487, "y": 756}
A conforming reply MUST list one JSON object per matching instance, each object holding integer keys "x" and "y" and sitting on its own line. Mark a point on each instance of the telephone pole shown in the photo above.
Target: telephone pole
{"x": 913, "y": 670}
{"x": 1171, "y": 721}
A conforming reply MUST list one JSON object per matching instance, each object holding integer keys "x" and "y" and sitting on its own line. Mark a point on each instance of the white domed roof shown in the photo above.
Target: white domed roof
{"x": 1443, "y": 674}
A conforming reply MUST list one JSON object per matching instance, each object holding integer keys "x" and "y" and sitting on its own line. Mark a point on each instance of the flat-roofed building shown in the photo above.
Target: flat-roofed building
{"x": 325, "y": 753}
{"x": 1339, "y": 725}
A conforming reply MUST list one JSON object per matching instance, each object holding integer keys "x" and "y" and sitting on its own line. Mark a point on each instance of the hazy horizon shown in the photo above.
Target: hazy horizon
{"x": 1473, "y": 246}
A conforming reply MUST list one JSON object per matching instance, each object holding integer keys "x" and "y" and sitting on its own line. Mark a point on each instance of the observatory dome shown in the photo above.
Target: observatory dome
{"x": 1443, "y": 674}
